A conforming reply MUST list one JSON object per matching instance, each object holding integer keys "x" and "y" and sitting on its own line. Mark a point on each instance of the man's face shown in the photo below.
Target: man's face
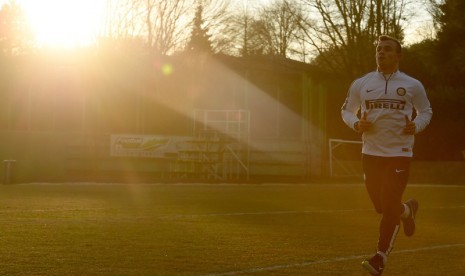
{"x": 387, "y": 56}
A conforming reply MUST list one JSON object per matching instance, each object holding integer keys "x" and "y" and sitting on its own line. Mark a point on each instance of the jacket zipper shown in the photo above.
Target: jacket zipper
{"x": 387, "y": 80}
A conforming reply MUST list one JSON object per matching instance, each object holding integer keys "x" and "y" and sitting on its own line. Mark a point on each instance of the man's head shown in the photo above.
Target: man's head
{"x": 388, "y": 54}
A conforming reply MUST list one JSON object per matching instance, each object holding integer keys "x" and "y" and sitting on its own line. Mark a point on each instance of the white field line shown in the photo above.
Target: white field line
{"x": 267, "y": 213}
{"x": 327, "y": 185}
{"x": 233, "y": 214}
{"x": 5, "y": 211}
{"x": 325, "y": 261}
{"x": 261, "y": 213}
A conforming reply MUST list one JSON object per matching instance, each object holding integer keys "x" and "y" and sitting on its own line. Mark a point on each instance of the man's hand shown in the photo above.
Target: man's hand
{"x": 410, "y": 126}
{"x": 363, "y": 125}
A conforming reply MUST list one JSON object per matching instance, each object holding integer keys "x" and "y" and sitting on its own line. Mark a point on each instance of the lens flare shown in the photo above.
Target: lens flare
{"x": 167, "y": 69}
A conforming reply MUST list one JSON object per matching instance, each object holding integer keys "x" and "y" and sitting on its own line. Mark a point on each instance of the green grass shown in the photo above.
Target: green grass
{"x": 315, "y": 229}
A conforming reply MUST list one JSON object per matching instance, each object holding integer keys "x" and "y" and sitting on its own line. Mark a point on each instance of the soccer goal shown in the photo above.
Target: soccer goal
{"x": 345, "y": 158}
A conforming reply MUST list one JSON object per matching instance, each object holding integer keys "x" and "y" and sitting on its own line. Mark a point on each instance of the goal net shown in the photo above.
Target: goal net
{"x": 345, "y": 158}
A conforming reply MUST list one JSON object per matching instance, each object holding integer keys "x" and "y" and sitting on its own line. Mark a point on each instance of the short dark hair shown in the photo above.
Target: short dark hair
{"x": 386, "y": 37}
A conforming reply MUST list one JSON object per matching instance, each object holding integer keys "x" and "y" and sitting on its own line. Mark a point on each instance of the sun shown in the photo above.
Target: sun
{"x": 64, "y": 23}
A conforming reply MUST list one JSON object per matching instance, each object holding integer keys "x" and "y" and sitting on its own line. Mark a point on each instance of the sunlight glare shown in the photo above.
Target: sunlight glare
{"x": 64, "y": 24}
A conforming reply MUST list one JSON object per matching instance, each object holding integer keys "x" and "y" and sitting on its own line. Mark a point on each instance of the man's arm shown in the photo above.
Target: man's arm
{"x": 350, "y": 109}
{"x": 423, "y": 109}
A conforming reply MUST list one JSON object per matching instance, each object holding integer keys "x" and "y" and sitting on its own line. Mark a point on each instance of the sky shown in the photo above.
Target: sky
{"x": 81, "y": 21}
{"x": 77, "y": 25}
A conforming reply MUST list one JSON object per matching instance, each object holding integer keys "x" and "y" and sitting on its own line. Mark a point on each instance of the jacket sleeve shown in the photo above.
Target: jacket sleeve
{"x": 351, "y": 106}
{"x": 423, "y": 109}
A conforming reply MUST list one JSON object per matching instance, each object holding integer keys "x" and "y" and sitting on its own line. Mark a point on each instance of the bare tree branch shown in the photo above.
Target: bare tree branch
{"x": 342, "y": 31}
{"x": 161, "y": 24}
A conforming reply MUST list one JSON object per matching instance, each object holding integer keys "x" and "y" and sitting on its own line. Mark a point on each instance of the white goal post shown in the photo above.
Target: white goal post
{"x": 336, "y": 161}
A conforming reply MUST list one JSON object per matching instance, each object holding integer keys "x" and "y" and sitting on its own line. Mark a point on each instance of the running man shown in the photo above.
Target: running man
{"x": 387, "y": 99}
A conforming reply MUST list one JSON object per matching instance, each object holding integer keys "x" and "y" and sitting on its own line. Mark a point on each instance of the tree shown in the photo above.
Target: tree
{"x": 239, "y": 32}
{"x": 267, "y": 30}
{"x": 160, "y": 24}
{"x": 15, "y": 33}
{"x": 451, "y": 41}
{"x": 200, "y": 39}
{"x": 342, "y": 32}
{"x": 246, "y": 33}
{"x": 418, "y": 61}
{"x": 280, "y": 23}
{"x": 217, "y": 15}
{"x": 164, "y": 24}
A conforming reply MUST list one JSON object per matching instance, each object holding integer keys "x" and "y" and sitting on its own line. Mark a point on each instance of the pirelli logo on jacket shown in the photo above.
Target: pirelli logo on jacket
{"x": 385, "y": 104}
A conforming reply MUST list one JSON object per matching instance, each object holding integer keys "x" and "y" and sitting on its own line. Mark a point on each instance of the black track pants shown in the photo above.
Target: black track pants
{"x": 385, "y": 181}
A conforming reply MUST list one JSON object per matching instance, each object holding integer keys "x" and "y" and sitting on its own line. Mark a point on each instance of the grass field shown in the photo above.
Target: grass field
{"x": 215, "y": 230}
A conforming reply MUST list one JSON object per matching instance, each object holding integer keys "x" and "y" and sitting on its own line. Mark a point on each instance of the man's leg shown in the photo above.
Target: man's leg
{"x": 397, "y": 172}
{"x": 385, "y": 180}
{"x": 408, "y": 216}
{"x": 374, "y": 178}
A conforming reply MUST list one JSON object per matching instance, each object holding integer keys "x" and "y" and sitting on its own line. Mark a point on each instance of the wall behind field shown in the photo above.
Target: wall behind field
{"x": 58, "y": 112}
